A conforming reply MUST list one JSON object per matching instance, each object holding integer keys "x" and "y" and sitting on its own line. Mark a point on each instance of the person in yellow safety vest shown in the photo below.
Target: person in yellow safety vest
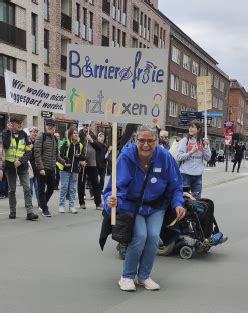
{"x": 17, "y": 154}
{"x": 72, "y": 152}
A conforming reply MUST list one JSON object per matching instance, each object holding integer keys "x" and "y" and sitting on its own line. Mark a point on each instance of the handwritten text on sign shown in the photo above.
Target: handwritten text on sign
{"x": 117, "y": 85}
{"x": 27, "y": 93}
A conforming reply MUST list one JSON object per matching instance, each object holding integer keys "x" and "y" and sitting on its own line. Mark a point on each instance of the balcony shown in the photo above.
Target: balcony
{"x": 66, "y": 21}
{"x": 105, "y": 41}
{"x": 135, "y": 26}
{"x": 106, "y": 6}
{"x": 63, "y": 62}
{"x": 2, "y": 86}
{"x": 155, "y": 40}
{"x": 13, "y": 35}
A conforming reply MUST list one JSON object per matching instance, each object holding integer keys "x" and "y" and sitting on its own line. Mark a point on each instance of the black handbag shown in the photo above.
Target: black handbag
{"x": 122, "y": 231}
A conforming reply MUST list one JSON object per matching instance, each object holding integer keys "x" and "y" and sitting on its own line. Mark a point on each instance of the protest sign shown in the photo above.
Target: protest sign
{"x": 116, "y": 85}
{"x": 204, "y": 93}
{"x": 23, "y": 92}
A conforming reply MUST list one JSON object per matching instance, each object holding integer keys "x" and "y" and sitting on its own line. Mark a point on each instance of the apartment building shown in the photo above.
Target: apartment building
{"x": 21, "y": 43}
{"x": 120, "y": 24}
{"x": 239, "y": 110}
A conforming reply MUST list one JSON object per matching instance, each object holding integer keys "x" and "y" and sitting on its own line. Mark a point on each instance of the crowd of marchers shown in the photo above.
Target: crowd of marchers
{"x": 44, "y": 163}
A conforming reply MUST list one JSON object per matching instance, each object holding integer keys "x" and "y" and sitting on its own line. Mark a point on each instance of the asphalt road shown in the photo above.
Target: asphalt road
{"x": 55, "y": 265}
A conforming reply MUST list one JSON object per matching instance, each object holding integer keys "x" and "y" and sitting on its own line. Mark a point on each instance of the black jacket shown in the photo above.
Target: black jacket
{"x": 74, "y": 156}
{"x": 101, "y": 161}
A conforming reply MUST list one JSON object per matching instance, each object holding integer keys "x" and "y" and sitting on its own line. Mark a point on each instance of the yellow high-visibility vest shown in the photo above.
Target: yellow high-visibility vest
{"x": 14, "y": 152}
{"x": 60, "y": 165}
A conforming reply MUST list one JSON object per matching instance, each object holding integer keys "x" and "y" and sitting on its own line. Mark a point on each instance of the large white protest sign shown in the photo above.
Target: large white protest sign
{"x": 116, "y": 85}
{"x": 21, "y": 91}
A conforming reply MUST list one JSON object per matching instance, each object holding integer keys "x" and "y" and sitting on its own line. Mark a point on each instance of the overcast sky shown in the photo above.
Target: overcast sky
{"x": 220, "y": 27}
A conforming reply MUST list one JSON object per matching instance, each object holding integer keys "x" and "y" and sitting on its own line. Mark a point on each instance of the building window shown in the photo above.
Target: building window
{"x": 46, "y": 46}
{"x": 184, "y": 108}
{"x": 113, "y": 36}
{"x": 193, "y": 91}
{"x": 114, "y": 9}
{"x": 186, "y": 64}
{"x": 173, "y": 109}
{"x": 156, "y": 33}
{"x": 141, "y": 24}
{"x": 164, "y": 35}
{"x": 174, "y": 82}
{"x": 119, "y": 11}
{"x": 123, "y": 39}
{"x": 118, "y": 38}
{"x": 105, "y": 33}
{"x": 46, "y": 10}
{"x": 220, "y": 104}
{"x": 6, "y": 63}
{"x": 185, "y": 88}
{"x": 135, "y": 43}
{"x": 214, "y": 121}
{"x": 218, "y": 122}
{"x": 77, "y": 22}
{"x": 216, "y": 82}
{"x": 90, "y": 37}
{"x": 34, "y": 32}
{"x": 215, "y": 102}
{"x": 195, "y": 68}
{"x": 203, "y": 71}
{"x": 148, "y": 29}
{"x": 175, "y": 56}
{"x": 222, "y": 85}
{"x": 136, "y": 20}
{"x": 34, "y": 72}
{"x": 106, "y": 6}
{"x": 63, "y": 83}
{"x": 84, "y": 27}
{"x": 7, "y": 12}
{"x": 46, "y": 79}
{"x": 124, "y": 13}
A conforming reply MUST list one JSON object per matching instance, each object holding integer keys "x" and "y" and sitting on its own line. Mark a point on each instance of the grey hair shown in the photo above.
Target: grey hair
{"x": 33, "y": 128}
{"x": 147, "y": 128}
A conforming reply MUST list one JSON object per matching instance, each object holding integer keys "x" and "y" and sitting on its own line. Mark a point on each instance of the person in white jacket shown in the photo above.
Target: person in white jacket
{"x": 192, "y": 151}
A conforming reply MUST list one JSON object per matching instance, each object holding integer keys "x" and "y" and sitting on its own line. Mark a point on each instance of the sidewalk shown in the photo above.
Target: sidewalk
{"x": 213, "y": 176}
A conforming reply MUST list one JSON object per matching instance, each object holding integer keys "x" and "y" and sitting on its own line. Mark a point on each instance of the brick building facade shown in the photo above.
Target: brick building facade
{"x": 239, "y": 110}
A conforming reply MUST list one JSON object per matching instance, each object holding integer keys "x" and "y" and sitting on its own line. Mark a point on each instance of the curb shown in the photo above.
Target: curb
{"x": 221, "y": 182}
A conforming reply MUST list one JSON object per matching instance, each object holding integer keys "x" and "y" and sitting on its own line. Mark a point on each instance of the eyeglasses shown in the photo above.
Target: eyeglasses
{"x": 150, "y": 142}
{"x": 85, "y": 125}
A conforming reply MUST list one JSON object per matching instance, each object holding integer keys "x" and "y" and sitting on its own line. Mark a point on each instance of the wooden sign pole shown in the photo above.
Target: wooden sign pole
{"x": 114, "y": 155}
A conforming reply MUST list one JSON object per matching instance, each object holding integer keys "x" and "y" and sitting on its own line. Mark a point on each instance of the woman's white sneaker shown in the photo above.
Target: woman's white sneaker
{"x": 73, "y": 211}
{"x": 61, "y": 209}
{"x": 148, "y": 284}
{"x": 127, "y": 284}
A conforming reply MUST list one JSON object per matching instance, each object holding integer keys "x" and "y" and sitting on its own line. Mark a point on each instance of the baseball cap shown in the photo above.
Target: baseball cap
{"x": 50, "y": 121}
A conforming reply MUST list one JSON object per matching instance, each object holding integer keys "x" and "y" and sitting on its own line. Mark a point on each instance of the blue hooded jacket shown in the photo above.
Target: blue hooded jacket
{"x": 164, "y": 179}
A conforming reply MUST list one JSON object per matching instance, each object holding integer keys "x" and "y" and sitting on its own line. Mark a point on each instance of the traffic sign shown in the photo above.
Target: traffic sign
{"x": 213, "y": 113}
{"x": 46, "y": 114}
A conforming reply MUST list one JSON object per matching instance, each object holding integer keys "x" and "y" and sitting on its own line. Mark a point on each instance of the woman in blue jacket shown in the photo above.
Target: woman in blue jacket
{"x": 164, "y": 187}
